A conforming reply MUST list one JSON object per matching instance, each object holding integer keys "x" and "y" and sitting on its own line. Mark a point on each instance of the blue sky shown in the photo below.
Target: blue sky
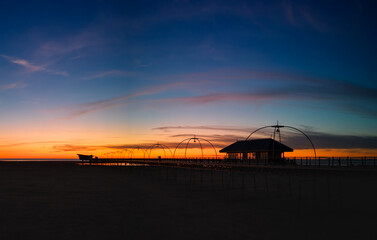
{"x": 121, "y": 69}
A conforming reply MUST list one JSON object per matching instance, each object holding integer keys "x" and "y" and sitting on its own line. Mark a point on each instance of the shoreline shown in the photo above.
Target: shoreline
{"x": 65, "y": 200}
{"x": 161, "y": 164}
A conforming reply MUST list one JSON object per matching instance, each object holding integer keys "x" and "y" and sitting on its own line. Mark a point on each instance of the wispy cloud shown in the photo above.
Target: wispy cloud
{"x": 300, "y": 15}
{"x": 27, "y": 143}
{"x": 33, "y": 67}
{"x": 288, "y": 11}
{"x": 15, "y": 85}
{"x": 293, "y": 139}
{"x": 280, "y": 86}
{"x": 217, "y": 140}
{"x": 212, "y": 128}
{"x": 82, "y": 109}
{"x": 75, "y": 148}
{"x": 69, "y": 45}
{"x": 313, "y": 21}
{"x": 255, "y": 98}
{"x": 24, "y": 63}
{"x": 230, "y": 75}
{"x": 296, "y": 141}
{"x": 362, "y": 110}
{"x": 332, "y": 141}
{"x": 109, "y": 73}
{"x": 51, "y": 52}
{"x": 287, "y": 86}
{"x": 295, "y": 13}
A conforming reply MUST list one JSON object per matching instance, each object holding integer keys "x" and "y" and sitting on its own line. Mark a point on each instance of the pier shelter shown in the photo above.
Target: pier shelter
{"x": 259, "y": 149}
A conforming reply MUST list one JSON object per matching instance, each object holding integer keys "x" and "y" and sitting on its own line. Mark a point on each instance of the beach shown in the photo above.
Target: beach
{"x": 63, "y": 200}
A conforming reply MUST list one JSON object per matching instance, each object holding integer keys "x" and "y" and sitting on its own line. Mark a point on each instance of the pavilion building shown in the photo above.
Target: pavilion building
{"x": 267, "y": 150}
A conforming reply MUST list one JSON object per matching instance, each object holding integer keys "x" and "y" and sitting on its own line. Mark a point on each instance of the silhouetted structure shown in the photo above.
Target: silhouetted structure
{"x": 259, "y": 149}
{"x": 187, "y": 140}
{"x": 89, "y": 158}
{"x": 85, "y": 157}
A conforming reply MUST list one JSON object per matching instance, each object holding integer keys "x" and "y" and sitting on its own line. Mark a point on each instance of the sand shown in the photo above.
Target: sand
{"x": 65, "y": 201}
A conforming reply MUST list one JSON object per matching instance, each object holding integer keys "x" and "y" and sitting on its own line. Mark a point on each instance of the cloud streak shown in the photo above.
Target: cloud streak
{"x": 296, "y": 141}
{"x": 10, "y": 86}
{"x": 292, "y": 82}
{"x": 212, "y": 128}
{"x": 82, "y": 109}
{"x": 298, "y": 15}
{"x": 75, "y": 148}
{"x": 109, "y": 73}
{"x": 28, "y": 143}
{"x": 69, "y": 45}
{"x": 332, "y": 141}
{"x": 255, "y": 98}
{"x": 282, "y": 86}
{"x": 293, "y": 139}
{"x": 286, "y": 86}
{"x": 33, "y": 67}
{"x": 263, "y": 96}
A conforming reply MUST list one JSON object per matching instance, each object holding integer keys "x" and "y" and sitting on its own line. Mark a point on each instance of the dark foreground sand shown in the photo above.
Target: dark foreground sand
{"x": 66, "y": 201}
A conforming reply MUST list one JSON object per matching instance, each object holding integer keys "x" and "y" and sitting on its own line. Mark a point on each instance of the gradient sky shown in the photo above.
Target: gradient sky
{"x": 99, "y": 76}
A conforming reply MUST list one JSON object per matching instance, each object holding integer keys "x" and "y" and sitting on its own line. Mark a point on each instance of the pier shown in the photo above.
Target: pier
{"x": 318, "y": 163}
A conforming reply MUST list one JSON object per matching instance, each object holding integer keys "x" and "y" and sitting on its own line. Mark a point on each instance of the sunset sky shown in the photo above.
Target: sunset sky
{"x": 95, "y": 77}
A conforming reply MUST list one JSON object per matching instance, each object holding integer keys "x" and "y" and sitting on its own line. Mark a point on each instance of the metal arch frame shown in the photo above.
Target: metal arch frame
{"x": 194, "y": 138}
{"x": 127, "y": 152}
{"x": 115, "y": 154}
{"x": 131, "y": 151}
{"x": 281, "y": 126}
{"x": 157, "y": 145}
{"x": 138, "y": 148}
{"x": 122, "y": 153}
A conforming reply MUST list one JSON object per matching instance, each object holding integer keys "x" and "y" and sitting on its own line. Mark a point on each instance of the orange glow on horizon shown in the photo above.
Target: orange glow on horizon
{"x": 47, "y": 150}
{"x": 333, "y": 153}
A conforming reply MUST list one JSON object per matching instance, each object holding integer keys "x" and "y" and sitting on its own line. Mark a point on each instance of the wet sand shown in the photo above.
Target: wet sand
{"x": 65, "y": 201}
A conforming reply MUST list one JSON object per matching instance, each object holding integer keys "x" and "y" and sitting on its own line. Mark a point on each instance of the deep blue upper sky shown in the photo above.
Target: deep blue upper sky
{"x": 148, "y": 64}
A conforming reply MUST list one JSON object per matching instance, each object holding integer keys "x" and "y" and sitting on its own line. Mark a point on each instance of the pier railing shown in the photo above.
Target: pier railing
{"x": 335, "y": 161}
{"x": 224, "y": 162}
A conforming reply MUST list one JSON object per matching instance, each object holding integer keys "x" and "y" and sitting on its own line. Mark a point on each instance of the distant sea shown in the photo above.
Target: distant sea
{"x": 39, "y": 160}
{"x": 323, "y": 161}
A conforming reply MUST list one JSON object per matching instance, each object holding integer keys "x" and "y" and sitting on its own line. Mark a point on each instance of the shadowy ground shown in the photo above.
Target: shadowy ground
{"x": 49, "y": 200}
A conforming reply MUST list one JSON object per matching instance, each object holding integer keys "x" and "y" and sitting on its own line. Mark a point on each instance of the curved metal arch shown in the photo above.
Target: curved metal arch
{"x": 281, "y": 126}
{"x": 201, "y": 148}
{"x": 257, "y": 131}
{"x": 123, "y": 153}
{"x": 211, "y": 145}
{"x": 180, "y": 144}
{"x": 138, "y": 148}
{"x": 158, "y": 145}
{"x": 132, "y": 152}
{"x": 111, "y": 154}
{"x": 127, "y": 153}
{"x": 189, "y": 139}
{"x": 200, "y": 144}
{"x": 146, "y": 150}
{"x": 153, "y": 146}
{"x": 187, "y": 146}
{"x": 315, "y": 154}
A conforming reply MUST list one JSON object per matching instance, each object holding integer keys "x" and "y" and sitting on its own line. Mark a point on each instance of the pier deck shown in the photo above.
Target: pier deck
{"x": 330, "y": 164}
